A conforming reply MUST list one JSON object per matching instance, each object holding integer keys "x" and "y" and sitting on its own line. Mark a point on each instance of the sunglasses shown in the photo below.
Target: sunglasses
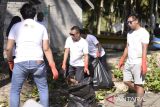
{"x": 72, "y": 34}
{"x": 130, "y": 22}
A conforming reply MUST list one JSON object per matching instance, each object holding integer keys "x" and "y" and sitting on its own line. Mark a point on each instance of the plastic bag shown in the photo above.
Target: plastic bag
{"x": 101, "y": 78}
{"x": 75, "y": 101}
{"x": 82, "y": 94}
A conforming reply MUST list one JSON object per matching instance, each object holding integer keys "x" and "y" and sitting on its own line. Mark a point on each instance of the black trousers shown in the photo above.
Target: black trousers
{"x": 77, "y": 71}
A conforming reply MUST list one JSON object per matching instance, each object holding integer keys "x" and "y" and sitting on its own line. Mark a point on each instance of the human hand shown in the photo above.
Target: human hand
{"x": 121, "y": 62}
{"x": 86, "y": 70}
{"x": 64, "y": 67}
{"x": 54, "y": 71}
{"x": 11, "y": 65}
{"x": 98, "y": 54}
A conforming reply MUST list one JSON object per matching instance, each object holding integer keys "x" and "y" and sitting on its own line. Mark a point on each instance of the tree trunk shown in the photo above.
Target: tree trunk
{"x": 156, "y": 12}
{"x": 152, "y": 16}
{"x": 99, "y": 17}
{"x": 138, "y": 8}
{"x": 91, "y": 20}
{"x": 2, "y": 16}
{"x": 127, "y": 11}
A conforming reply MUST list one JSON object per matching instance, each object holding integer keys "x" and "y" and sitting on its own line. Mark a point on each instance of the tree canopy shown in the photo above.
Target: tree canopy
{"x": 116, "y": 11}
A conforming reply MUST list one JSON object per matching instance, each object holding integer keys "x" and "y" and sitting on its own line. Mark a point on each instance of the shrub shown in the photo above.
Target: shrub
{"x": 152, "y": 79}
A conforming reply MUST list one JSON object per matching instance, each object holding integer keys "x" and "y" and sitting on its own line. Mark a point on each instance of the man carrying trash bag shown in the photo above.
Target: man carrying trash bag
{"x": 102, "y": 78}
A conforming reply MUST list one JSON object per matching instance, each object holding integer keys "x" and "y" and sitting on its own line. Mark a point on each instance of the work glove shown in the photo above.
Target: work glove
{"x": 144, "y": 66}
{"x": 121, "y": 62}
{"x": 11, "y": 65}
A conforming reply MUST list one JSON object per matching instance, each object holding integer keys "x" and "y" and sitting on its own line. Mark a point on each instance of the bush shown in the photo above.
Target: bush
{"x": 117, "y": 73}
{"x": 152, "y": 79}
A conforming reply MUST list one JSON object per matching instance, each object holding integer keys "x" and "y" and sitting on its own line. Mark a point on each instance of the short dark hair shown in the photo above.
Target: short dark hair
{"x": 14, "y": 20}
{"x": 84, "y": 31}
{"x": 157, "y": 24}
{"x": 40, "y": 16}
{"x": 28, "y": 11}
{"x": 76, "y": 28}
{"x": 135, "y": 16}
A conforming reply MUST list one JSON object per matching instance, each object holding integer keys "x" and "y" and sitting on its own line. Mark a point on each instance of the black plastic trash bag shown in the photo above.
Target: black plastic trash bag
{"x": 101, "y": 78}
{"x": 75, "y": 101}
{"x": 82, "y": 95}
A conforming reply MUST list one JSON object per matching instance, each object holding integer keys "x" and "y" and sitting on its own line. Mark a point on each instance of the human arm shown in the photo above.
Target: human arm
{"x": 86, "y": 58}
{"x": 123, "y": 57}
{"x": 49, "y": 56}
{"x": 144, "y": 58}
{"x": 66, "y": 52}
{"x": 10, "y": 45}
{"x": 145, "y": 42}
{"x": 86, "y": 64}
{"x": 98, "y": 52}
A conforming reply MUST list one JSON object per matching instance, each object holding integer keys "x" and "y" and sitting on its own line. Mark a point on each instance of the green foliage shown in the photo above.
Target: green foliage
{"x": 116, "y": 11}
{"x": 152, "y": 79}
{"x": 118, "y": 74}
{"x": 153, "y": 76}
{"x": 101, "y": 94}
{"x": 4, "y": 104}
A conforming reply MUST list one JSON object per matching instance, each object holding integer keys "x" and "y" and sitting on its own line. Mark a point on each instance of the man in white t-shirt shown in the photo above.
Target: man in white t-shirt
{"x": 136, "y": 53}
{"x": 77, "y": 47}
{"x": 31, "y": 40}
{"x": 95, "y": 50}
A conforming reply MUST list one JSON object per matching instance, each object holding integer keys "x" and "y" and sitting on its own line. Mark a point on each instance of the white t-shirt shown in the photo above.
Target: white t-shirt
{"x": 28, "y": 36}
{"x": 92, "y": 42}
{"x": 77, "y": 51}
{"x": 135, "y": 40}
{"x": 43, "y": 23}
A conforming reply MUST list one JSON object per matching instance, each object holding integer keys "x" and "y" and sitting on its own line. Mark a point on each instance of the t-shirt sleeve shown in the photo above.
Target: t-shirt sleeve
{"x": 127, "y": 38}
{"x": 145, "y": 37}
{"x": 94, "y": 40}
{"x": 67, "y": 43}
{"x": 85, "y": 49}
{"x": 12, "y": 33}
{"x": 45, "y": 34}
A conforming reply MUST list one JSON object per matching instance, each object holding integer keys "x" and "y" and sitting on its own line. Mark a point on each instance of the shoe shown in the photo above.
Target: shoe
{"x": 138, "y": 103}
